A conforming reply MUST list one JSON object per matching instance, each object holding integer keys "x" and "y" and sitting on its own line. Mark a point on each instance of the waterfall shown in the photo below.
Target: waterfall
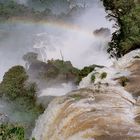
{"x": 76, "y": 39}
{"x": 103, "y": 109}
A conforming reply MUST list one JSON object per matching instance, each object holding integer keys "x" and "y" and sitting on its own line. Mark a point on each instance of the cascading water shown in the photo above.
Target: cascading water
{"x": 100, "y": 110}
{"x": 86, "y": 47}
{"x": 73, "y": 37}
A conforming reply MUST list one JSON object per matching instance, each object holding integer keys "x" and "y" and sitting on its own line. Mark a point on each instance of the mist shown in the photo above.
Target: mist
{"x": 78, "y": 45}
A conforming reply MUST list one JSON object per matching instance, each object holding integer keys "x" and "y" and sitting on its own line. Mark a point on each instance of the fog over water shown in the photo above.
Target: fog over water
{"x": 78, "y": 45}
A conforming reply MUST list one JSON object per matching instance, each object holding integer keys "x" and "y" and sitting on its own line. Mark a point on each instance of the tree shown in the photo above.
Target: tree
{"x": 117, "y": 10}
{"x": 30, "y": 57}
{"x": 13, "y": 84}
{"x": 131, "y": 29}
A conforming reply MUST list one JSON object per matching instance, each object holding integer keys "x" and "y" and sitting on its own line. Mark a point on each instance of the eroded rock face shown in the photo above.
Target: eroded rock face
{"x": 133, "y": 84}
{"x": 107, "y": 113}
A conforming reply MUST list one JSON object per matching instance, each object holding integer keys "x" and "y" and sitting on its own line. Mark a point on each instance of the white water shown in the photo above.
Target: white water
{"x": 81, "y": 49}
{"x": 46, "y": 123}
{"x": 80, "y": 46}
{"x": 58, "y": 90}
{"x": 16, "y": 39}
{"x": 75, "y": 47}
{"x": 112, "y": 73}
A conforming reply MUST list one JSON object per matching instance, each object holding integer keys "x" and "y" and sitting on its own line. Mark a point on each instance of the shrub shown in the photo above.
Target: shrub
{"x": 76, "y": 96}
{"x": 127, "y": 17}
{"x": 13, "y": 84}
{"x": 123, "y": 80}
{"x": 103, "y": 75}
{"x": 30, "y": 57}
{"x": 11, "y": 132}
{"x": 93, "y": 78}
{"x": 15, "y": 87}
{"x": 23, "y": 95}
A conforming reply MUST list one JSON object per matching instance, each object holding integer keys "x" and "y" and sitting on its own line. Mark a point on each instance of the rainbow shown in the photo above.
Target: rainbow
{"x": 58, "y": 24}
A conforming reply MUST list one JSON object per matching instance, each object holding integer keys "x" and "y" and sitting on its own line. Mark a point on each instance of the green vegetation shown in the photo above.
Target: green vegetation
{"x": 11, "y": 132}
{"x": 123, "y": 81}
{"x": 11, "y": 8}
{"x": 16, "y": 90}
{"x": 93, "y": 78}
{"x": 64, "y": 67}
{"x": 14, "y": 84}
{"x": 15, "y": 87}
{"x": 58, "y": 70}
{"x": 103, "y": 75}
{"x": 85, "y": 71}
{"x": 53, "y": 69}
{"x": 126, "y": 13}
{"x": 77, "y": 97}
{"x": 30, "y": 57}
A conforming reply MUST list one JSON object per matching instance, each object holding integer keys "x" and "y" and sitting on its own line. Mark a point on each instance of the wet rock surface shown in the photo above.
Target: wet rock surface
{"x": 106, "y": 114}
{"x": 133, "y": 84}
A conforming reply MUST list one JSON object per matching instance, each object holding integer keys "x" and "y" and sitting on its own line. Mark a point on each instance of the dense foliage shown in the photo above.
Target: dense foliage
{"x": 11, "y": 132}
{"x": 15, "y": 84}
{"x": 21, "y": 94}
{"x": 126, "y": 13}
{"x": 52, "y": 70}
{"x": 11, "y": 8}
{"x": 63, "y": 67}
{"x": 37, "y": 9}
{"x": 85, "y": 71}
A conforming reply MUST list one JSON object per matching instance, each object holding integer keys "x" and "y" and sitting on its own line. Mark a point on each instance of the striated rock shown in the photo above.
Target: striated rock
{"x": 91, "y": 114}
{"x": 133, "y": 84}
